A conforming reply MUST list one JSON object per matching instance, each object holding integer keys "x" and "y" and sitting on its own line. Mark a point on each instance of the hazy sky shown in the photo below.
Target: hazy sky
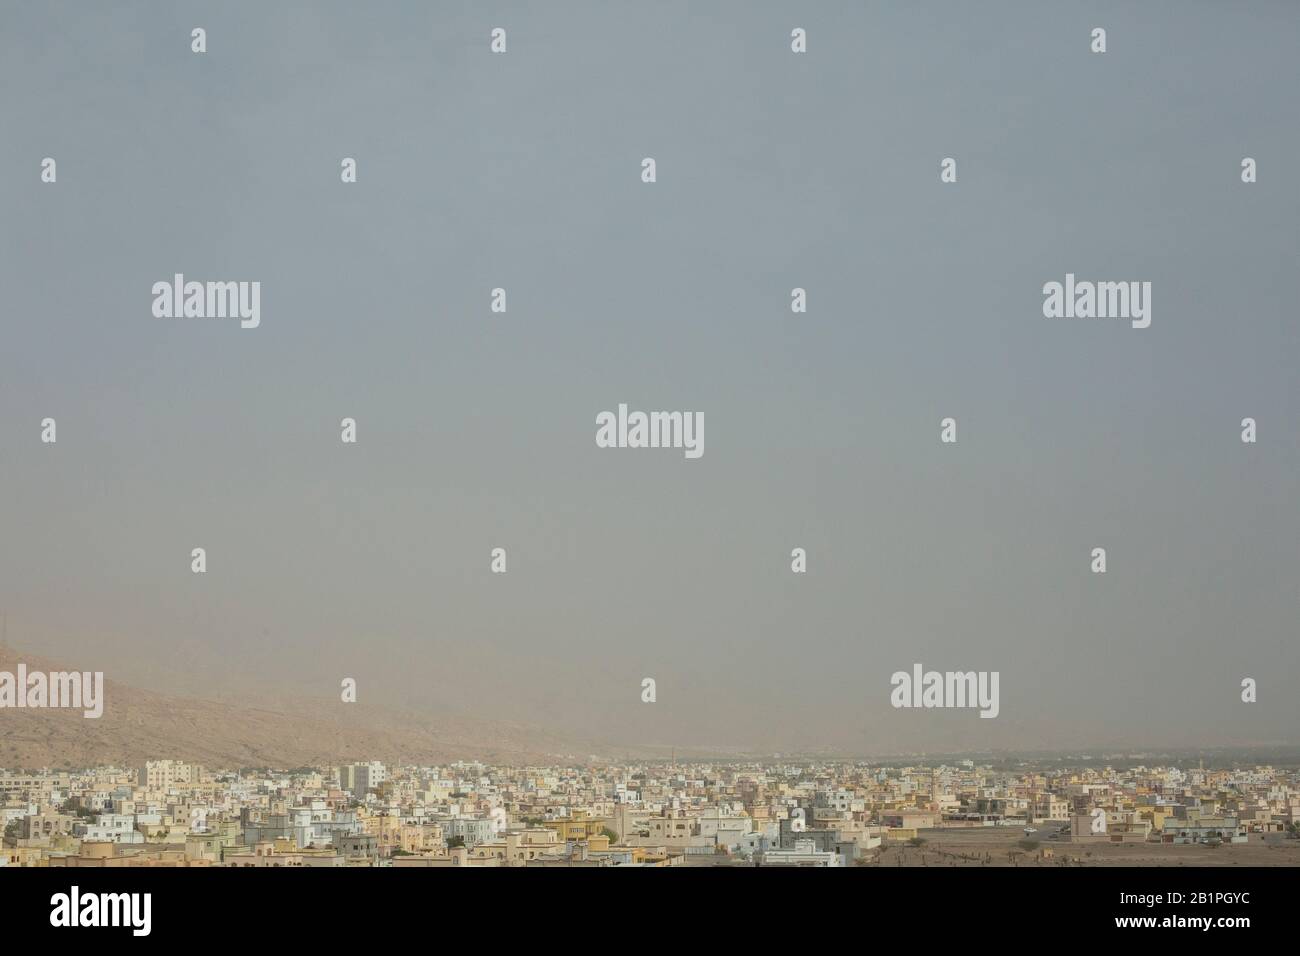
{"x": 477, "y": 430}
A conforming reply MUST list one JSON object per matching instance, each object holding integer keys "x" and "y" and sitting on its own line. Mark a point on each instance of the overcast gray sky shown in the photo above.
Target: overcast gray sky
{"x": 476, "y": 430}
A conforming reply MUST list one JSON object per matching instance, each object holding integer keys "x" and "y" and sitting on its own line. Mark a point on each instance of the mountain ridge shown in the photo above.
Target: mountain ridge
{"x": 139, "y": 725}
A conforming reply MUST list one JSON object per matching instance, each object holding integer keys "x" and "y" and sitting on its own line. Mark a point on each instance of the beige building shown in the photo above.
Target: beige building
{"x": 517, "y": 847}
{"x": 162, "y": 774}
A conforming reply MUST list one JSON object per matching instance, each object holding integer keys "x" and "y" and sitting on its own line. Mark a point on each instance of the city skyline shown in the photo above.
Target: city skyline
{"x": 174, "y": 813}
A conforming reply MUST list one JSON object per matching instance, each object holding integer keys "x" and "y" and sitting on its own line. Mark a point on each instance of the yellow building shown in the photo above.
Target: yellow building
{"x": 420, "y": 838}
{"x": 517, "y": 847}
{"x": 577, "y": 829}
{"x": 22, "y": 855}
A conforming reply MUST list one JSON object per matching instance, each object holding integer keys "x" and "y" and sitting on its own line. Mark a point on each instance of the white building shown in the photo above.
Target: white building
{"x": 804, "y": 853}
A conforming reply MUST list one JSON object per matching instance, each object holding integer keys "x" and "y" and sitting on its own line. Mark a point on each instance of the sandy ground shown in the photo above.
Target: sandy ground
{"x": 991, "y": 846}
